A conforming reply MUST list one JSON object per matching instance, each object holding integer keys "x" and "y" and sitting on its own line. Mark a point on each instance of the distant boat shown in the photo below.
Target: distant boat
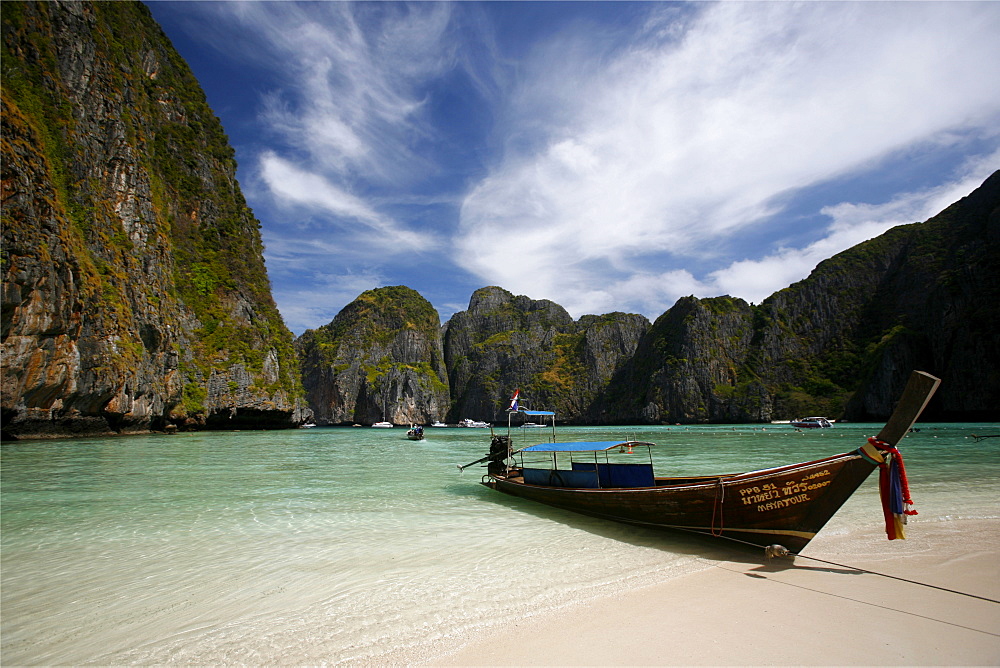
{"x": 777, "y": 507}
{"x": 533, "y": 425}
{"x": 309, "y": 425}
{"x": 812, "y": 423}
{"x": 438, "y": 424}
{"x": 382, "y": 425}
{"x": 415, "y": 433}
{"x": 473, "y": 423}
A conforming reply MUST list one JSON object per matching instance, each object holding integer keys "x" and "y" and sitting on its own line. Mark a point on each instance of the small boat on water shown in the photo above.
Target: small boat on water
{"x": 782, "y": 506}
{"x": 382, "y": 425}
{"x": 812, "y": 423}
{"x": 438, "y": 424}
{"x": 473, "y": 423}
{"x": 415, "y": 433}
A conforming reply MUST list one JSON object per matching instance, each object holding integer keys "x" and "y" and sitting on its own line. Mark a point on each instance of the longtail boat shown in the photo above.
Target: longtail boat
{"x": 781, "y": 507}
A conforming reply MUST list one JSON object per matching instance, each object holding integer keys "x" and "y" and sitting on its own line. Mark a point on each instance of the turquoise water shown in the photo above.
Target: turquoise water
{"x": 341, "y": 545}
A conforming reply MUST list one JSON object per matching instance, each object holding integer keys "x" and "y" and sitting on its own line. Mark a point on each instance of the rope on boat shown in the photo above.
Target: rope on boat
{"x": 720, "y": 499}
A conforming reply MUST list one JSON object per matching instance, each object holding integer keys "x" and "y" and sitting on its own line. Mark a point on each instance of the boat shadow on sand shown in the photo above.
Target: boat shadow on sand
{"x": 691, "y": 545}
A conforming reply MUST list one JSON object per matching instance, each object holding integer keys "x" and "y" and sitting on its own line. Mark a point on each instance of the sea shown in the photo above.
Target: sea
{"x": 334, "y": 546}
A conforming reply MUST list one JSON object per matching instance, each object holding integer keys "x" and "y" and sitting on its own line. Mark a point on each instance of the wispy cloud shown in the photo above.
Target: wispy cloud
{"x": 351, "y": 77}
{"x": 340, "y": 123}
{"x": 673, "y": 150}
{"x": 294, "y": 186}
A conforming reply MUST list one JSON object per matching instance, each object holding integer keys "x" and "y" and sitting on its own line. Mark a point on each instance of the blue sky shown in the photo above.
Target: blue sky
{"x": 609, "y": 156}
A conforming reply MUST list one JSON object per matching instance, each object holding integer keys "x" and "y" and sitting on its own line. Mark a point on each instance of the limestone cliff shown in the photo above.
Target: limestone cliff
{"x": 689, "y": 368}
{"x": 134, "y": 289}
{"x": 505, "y": 342}
{"x": 380, "y": 359}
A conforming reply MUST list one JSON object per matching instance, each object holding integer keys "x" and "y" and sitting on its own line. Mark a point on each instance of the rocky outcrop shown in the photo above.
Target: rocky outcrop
{"x": 587, "y": 360}
{"x": 134, "y": 290}
{"x": 380, "y": 359}
{"x": 505, "y": 342}
{"x": 500, "y": 343}
{"x": 688, "y": 368}
{"x": 935, "y": 308}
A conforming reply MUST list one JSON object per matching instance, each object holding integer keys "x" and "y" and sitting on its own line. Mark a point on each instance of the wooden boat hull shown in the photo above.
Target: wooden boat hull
{"x": 785, "y": 506}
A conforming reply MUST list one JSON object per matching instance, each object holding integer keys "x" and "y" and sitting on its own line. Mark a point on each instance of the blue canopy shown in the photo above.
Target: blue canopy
{"x": 581, "y": 446}
{"x": 538, "y": 412}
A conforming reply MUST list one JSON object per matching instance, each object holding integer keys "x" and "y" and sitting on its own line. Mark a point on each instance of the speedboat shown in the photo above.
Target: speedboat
{"x": 812, "y": 423}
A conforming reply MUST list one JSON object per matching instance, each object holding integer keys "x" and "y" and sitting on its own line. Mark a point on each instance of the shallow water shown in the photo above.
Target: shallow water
{"x": 341, "y": 545}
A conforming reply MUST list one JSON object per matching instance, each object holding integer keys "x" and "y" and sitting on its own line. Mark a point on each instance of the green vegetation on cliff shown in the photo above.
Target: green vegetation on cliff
{"x": 127, "y": 184}
{"x": 380, "y": 358}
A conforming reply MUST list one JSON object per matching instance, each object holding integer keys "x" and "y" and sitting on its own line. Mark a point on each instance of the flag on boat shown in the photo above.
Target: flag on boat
{"x": 513, "y": 400}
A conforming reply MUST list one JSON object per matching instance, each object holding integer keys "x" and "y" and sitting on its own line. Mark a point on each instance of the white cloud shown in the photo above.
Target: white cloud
{"x": 667, "y": 151}
{"x": 351, "y": 79}
{"x": 291, "y": 185}
{"x": 341, "y": 110}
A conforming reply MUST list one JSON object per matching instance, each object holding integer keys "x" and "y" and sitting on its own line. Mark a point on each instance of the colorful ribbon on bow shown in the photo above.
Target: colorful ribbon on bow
{"x": 894, "y": 490}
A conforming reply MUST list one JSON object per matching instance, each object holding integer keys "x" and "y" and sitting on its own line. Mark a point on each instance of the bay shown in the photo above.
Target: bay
{"x": 356, "y": 546}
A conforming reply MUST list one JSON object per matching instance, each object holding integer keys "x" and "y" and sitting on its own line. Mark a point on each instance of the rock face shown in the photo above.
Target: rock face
{"x": 385, "y": 356}
{"x": 935, "y": 308}
{"x": 380, "y": 359}
{"x": 502, "y": 343}
{"x": 688, "y": 368}
{"x": 134, "y": 290}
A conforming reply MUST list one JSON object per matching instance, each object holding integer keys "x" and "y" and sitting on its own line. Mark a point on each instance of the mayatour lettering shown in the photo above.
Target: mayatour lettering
{"x": 783, "y": 503}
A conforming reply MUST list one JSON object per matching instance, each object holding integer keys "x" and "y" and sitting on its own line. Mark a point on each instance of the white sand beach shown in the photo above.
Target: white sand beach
{"x": 806, "y": 612}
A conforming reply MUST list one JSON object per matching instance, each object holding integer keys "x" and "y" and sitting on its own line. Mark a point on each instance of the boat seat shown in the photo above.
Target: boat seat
{"x": 561, "y": 478}
{"x": 619, "y": 475}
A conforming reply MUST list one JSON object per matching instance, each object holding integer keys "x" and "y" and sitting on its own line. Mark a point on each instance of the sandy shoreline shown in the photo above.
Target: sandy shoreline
{"x": 807, "y": 612}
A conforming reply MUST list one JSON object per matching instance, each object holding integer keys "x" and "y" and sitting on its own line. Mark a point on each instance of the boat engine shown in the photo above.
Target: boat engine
{"x": 499, "y": 452}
